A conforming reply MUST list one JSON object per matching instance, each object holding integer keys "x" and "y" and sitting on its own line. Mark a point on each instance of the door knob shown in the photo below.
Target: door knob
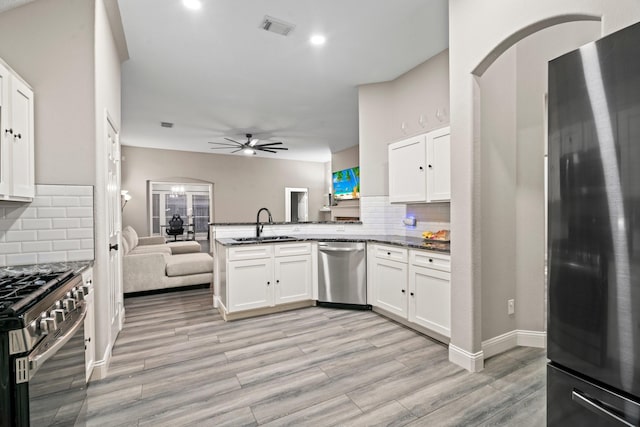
{"x": 113, "y": 247}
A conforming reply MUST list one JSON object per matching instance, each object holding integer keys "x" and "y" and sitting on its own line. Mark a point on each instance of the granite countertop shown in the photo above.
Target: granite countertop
{"x": 404, "y": 241}
{"x": 54, "y": 267}
{"x": 283, "y": 223}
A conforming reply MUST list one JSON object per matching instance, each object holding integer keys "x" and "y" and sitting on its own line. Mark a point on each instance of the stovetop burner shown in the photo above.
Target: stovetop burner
{"x": 18, "y": 292}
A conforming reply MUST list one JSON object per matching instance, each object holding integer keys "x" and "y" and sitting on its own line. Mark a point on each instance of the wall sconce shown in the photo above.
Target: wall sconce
{"x": 124, "y": 198}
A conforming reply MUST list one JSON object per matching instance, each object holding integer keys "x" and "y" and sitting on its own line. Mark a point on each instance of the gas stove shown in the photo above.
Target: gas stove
{"x": 42, "y": 314}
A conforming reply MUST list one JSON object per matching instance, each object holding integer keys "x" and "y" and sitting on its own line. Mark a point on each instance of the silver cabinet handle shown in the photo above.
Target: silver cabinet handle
{"x": 595, "y": 407}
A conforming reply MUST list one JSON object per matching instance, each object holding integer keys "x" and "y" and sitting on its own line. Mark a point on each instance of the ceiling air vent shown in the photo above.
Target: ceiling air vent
{"x": 166, "y": 124}
{"x": 276, "y": 26}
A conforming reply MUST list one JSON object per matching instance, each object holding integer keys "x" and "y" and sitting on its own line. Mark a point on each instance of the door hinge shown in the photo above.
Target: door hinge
{"x": 22, "y": 370}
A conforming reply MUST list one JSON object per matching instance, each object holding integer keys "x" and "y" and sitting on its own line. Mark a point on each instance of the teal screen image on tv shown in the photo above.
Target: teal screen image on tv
{"x": 346, "y": 184}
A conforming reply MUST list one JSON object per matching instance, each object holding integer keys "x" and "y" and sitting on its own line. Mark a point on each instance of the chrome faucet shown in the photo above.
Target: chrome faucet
{"x": 259, "y": 226}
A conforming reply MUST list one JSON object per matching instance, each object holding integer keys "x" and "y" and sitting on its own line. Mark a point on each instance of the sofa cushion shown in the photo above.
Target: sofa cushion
{"x": 134, "y": 237}
{"x": 185, "y": 264}
{"x": 163, "y": 249}
{"x": 125, "y": 246}
{"x": 127, "y": 235}
{"x": 186, "y": 247}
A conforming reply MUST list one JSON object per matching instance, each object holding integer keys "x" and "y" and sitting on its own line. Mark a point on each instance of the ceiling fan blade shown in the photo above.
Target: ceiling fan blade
{"x": 253, "y": 142}
{"x": 274, "y": 148}
{"x": 264, "y": 149}
{"x": 270, "y": 143}
{"x": 229, "y": 139}
{"x": 221, "y": 148}
{"x": 235, "y": 151}
{"x": 224, "y": 144}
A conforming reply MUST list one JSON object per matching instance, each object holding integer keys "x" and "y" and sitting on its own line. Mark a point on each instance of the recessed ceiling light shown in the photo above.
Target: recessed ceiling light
{"x": 318, "y": 40}
{"x": 192, "y": 4}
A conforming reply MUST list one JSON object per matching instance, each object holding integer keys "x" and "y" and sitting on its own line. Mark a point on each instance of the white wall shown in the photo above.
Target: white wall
{"x": 383, "y": 108}
{"x": 498, "y": 210}
{"x": 50, "y": 44}
{"x": 476, "y": 29}
{"x": 241, "y": 185}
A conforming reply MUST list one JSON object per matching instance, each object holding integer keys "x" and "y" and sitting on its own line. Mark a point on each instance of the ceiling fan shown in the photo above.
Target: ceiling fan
{"x": 249, "y": 147}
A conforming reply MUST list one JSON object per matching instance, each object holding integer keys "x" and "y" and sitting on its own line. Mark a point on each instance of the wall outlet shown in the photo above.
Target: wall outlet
{"x": 511, "y": 306}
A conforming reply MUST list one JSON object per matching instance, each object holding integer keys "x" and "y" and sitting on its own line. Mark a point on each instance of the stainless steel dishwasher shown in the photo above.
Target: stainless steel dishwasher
{"x": 342, "y": 275}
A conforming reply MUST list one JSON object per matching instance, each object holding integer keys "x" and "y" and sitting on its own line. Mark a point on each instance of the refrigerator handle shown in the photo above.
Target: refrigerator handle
{"x": 596, "y": 407}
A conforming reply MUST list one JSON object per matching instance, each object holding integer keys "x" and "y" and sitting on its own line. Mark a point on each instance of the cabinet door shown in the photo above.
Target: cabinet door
{"x": 293, "y": 279}
{"x": 407, "y": 175}
{"x": 439, "y": 165}
{"x": 430, "y": 299}
{"x": 250, "y": 284}
{"x": 89, "y": 337}
{"x": 22, "y": 171}
{"x": 5, "y": 137}
{"x": 390, "y": 286}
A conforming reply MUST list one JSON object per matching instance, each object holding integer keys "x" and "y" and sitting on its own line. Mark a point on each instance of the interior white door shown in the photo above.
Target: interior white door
{"x": 114, "y": 223}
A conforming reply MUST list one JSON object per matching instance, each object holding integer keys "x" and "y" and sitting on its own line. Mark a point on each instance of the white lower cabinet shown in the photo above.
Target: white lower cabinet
{"x": 250, "y": 284}
{"x": 413, "y": 285}
{"x": 280, "y": 274}
{"x": 390, "y": 286}
{"x": 429, "y": 299}
{"x": 293, "y": 279}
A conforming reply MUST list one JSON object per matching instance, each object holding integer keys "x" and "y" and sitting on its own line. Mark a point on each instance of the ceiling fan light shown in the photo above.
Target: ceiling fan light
{"x": 318, "y": 39}
{"x": 249, "y": 151}
{"x": 192, "y": 4}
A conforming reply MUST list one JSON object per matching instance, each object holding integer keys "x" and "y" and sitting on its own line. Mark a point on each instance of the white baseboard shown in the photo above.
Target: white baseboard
{"x": 512, "y": 339}
{"x": 472, "y": 362}
{"x": 101, "y": 367}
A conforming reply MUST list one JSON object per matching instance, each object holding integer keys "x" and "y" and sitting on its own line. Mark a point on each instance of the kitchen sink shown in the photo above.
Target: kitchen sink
{"x": 264, "y": 239}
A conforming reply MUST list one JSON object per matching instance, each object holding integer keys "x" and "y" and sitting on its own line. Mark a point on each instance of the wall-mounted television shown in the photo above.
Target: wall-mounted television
{"x": 346, "y": 184}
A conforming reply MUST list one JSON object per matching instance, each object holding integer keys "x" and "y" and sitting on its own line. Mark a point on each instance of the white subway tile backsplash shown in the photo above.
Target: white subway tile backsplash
{"x": 52, "y": 234}
{"x": 9, "y": 248}
{"x": 51, "y": 190}
{"x": 21, "y": 236}
{"x": 79, "y": 212}
{"x": 65, "y": 201}
{"x": 66, "y": 222}
{"x": 51, "y": 212}
{"x": 79, "y": 255}
{"x": 80, "y": 233}
{"x": 46, "y": 257}
{"x": 57, "y": 226}
{"x": 66, "y": 245}
{"x": 35, "y": 247}
{"x": 21, "y": 259}
{"x": 36, "y": 224}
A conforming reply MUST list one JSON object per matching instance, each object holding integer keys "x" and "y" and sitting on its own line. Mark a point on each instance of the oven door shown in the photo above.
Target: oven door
{"x": 57, "y": 382}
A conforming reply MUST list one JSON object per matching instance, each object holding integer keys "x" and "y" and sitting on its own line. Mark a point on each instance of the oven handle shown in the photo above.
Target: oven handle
{"x": 37, "y": 360}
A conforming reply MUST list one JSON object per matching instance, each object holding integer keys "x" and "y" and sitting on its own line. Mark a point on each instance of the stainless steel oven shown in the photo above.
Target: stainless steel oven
{"x": 42, "y": 376}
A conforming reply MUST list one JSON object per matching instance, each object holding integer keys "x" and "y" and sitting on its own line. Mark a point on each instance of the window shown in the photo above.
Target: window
{"x": 190, "y": 201}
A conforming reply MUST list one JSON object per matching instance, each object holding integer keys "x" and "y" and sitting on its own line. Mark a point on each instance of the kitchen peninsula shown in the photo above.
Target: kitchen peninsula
{"x": 408, "y": 278}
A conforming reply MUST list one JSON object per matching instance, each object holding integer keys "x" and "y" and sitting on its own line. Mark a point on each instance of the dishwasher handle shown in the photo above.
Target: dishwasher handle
{"x": 330, "y": 249}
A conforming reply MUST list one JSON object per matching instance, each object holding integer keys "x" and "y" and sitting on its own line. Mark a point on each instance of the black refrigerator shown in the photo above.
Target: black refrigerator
{"x": 593, "y": 377}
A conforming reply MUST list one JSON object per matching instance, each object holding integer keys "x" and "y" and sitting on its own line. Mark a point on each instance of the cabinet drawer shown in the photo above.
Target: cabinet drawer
{"x": 250, "y": 252}
{"x": 288, "y": 249}
{"x": 391, "y": 253}
{"x": 431, "y": 260}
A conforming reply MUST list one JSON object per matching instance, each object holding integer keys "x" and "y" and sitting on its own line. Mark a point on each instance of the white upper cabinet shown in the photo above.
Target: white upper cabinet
{"x": 17, "y": 174}
{"x": 407, "y": 174}
{"x": 420, "y": 168}
{"x": 439, "y": 166}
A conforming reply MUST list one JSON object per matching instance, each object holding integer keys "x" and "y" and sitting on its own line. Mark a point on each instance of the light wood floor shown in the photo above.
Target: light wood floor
{"x": 176, "y": 363}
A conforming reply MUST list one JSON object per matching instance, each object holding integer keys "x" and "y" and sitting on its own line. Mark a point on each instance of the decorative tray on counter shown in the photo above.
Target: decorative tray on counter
{"x": 440, "y": 236}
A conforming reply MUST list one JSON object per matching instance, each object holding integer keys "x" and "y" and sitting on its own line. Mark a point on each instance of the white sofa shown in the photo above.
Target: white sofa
{"x": 151, "y": 264}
